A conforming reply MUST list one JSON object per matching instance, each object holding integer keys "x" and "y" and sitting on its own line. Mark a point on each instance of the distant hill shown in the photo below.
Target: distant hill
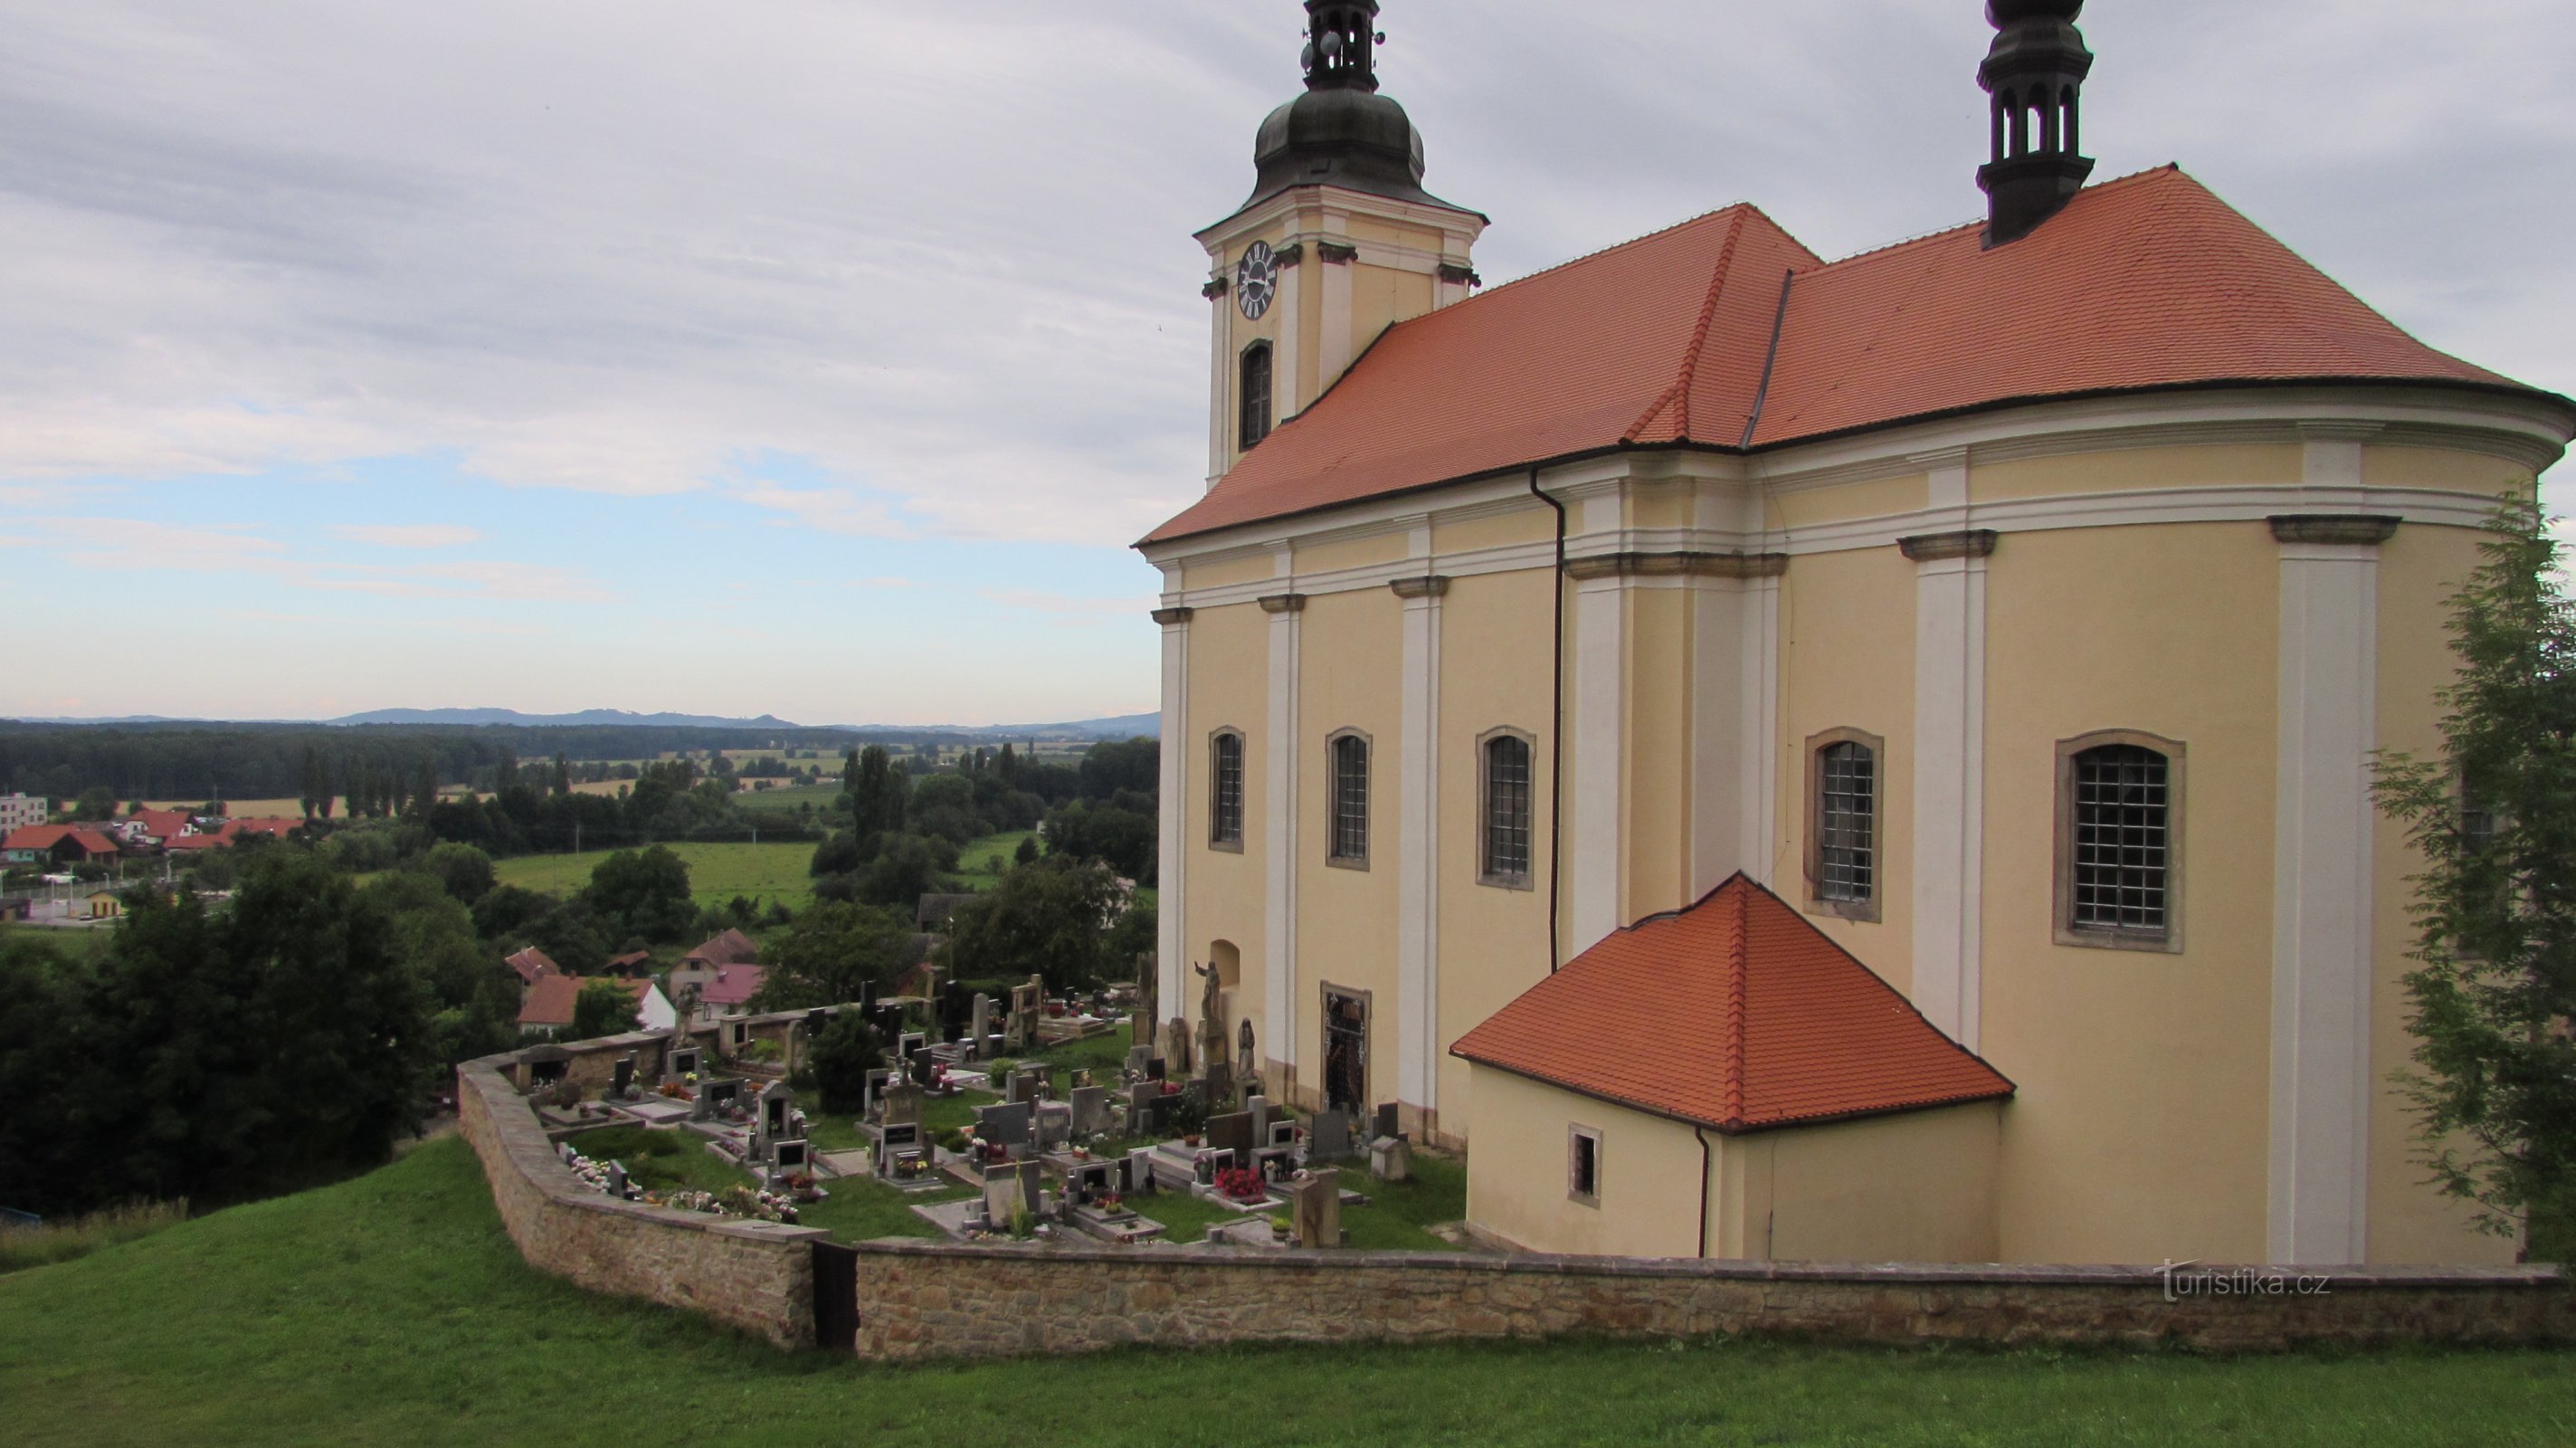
{"x": 586, "y": 719}
{"x": 1120, "y": 726}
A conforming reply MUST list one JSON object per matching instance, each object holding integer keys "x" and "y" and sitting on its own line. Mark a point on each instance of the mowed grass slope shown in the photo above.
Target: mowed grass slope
{"x": 717, "y": 872}
{"x": 391, "y": 1310}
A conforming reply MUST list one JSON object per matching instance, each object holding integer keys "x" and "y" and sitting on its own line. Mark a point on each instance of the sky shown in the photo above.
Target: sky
{"x": 822, "y": 357}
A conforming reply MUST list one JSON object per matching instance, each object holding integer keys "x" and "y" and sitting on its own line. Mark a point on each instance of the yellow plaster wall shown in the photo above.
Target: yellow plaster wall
{"x": 1516, "y": 1180}
{"x": 2424, "y": 467}
{"x": 2215, "y": 464}
{"x": 1351, "y": 552}
{"x": 2140, "y": 1129}
{"x": 1912, "y": 1188}
{"x": 1382, "y": 296}
{"x": 1252, "y": 569}
{"x": 2409, "y": 1222}
{"x": 1350, "y": 675}
{"x": 1847, "y": 662}
{"x": 1807, "y": 507}
{"x": 1496, "y": 662}
{"x": 1655, "y": 827}
{"x": 1533, "y": 523}
{"x": 1229, "y": 686}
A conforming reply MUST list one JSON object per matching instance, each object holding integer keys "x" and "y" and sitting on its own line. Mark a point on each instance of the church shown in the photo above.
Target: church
{"x": 1781, "y": 757}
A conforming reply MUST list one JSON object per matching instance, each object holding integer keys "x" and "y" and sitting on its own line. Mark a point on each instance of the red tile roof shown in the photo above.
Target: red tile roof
{"x": 549, "y": 1001}
{"x": 46, "y": 837}
{"x": 532, "y": 965}
{"x": 729, "y": 948}
{"x": 2143, "y": 283}
{"x": 162, "y": 824}
{"x": 733, "y": 985}
{"x": 1735, "y": 1013}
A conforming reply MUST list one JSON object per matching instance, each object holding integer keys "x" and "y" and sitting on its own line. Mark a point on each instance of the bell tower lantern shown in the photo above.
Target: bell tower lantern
{"x": 2035, "y": 76}
{"x": 1337, "y": 242}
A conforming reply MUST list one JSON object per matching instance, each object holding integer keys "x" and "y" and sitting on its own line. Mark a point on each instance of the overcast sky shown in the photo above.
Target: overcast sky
{"x": 821, "y": 357}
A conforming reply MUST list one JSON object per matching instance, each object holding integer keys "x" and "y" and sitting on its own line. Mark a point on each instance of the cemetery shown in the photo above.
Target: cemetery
{"x": 1025, "y": 1119}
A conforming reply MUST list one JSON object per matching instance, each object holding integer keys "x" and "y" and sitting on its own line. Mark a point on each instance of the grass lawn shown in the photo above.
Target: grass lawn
{"x": 717, "y": 872}
{"x": 79, "y": 944}
{"x": 390, "y": 1309}
{"x": 976, "y": 854}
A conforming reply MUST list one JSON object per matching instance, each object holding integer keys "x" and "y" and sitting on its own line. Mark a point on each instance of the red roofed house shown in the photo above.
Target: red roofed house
{"x": 548, "y": 1004}
{"x": 728, "y": 991}
{"x": 532, "y": 965}
{"x": 57, "y": 844}
{"x": 2022, "y": 604}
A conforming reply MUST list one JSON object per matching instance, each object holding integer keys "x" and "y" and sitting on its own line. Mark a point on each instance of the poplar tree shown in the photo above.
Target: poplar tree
{"x": 2493, "y": 818}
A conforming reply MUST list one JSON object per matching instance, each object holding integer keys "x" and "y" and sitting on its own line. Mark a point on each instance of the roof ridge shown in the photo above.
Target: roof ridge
{"x": 1919, "y": 238}
{"x": 1707, "y": 314}
{"x": 1617, "y": 246}
{"x": 1731, "y": 1088}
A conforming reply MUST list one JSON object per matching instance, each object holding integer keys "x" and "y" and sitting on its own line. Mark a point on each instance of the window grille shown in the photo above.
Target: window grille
{"x": 1507, "y": 807}
{"x": 2122, "y": 839}
{"x": 1846, "y": 822}
{"x": 1350, "y": 798}
{"x": 1226, "y": 788}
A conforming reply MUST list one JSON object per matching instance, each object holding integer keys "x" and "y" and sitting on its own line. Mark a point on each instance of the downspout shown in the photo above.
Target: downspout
{"x": 1556, "y": 730}
{"x": 1706, "y": 1166}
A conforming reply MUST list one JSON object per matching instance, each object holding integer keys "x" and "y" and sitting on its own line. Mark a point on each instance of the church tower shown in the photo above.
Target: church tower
{"x": 1337, "y": 242}
{"x": 2035, "y": 76}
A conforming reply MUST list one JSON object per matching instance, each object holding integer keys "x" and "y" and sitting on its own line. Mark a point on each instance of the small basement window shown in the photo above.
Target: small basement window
{"x": 1583, "y": 1165}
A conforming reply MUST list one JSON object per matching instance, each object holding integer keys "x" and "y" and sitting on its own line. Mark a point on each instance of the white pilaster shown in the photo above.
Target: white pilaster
{"x": 1949, "y": 788}
{"x": 2321, "y": 904}
{"x": 1417, "y": 944}
{"x": 1279, "y": 827}
{"x": 1759, "y": 702}
{"x": 1284, "y": 399}
{"x": 1171, "y": 938}
{"x": 1597, "y": 854}
{"x": 1220, "y": 383}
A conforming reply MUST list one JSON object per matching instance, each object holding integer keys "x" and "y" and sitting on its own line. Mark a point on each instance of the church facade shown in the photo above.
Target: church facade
{"x": 2013, "y": 612}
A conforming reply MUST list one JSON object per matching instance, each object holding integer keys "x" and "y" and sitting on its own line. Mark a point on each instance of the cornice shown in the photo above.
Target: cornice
{"x": 1168, "y": 617}
{"x": 1336, "y": 251}
{"x": 2348, "y": 529}
{"x": 1963, "y": 543}
{"x": 1282, "y": 602}
{"x": 1677, "y": 563}
{"x": 1419, "y": 586}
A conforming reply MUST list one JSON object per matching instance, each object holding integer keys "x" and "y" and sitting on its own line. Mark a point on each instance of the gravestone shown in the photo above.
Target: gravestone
{"x": 1231, "y": 1132}
{"x": 902, "y": 1104}
{"x": 1137, "y": 1056}
{"x": 680, "y": 1058}
{"x": 1017, "y": 1087}
{"x": 1137, "y": 1177}
{"x": 872, "y": 1092}
{"x": 1158, "y": 1115}
{"x": 897, "y": 1142}
{"x": 1157, "y": 1069}
{"x": 910, "y": 1044}
{"x": 1032, "y": 1186}
{"x": 1328, "y": 1136}
{"x": 1176, "y": 1044}
{"x": 1005, "y": 1126}
{"x": 982, "y": 1019}
{"x": 1283, "y": 1132}
{"x": 1140, "y": 1103}
{"x": 1259, "y": 1106}
{"x": 1220, "y": 1086}
{"x": 625, "y": 1075}
{"x": 1386, "y": 1122}
{"x": 1053, "y": 1125}
{"x": 1317, "y": 1204}
{"x": 1090, "y": 1108}
{"x": 1140, "y": 1029}
{"x": 1276, "y": 1163}
{"x": 617, "y": 1180}
{"x": 922, "y": 1064}
{"x": 787, "y": 1158}
{"x": 770, "y": 1122}
{"x": 1090, "y": 1181}
{"x": 1391, "y": 1159}
{"x": 1001, "y": 1199}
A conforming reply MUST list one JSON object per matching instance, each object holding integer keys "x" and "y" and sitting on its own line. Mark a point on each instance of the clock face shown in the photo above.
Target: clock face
{"x": 1256, "y": 281}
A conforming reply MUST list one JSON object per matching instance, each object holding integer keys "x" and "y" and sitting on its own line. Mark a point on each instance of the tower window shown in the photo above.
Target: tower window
{"x": 1350, "y": 758}
{"x": 2119, "y": 842}
{"x": 1225, "y": 790}
{"x": 1843, "y": 779}
{"x": 1255, "y": 394}
{"x": 1505, "y": 758}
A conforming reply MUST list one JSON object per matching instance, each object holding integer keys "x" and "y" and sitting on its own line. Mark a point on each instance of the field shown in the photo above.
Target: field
{"x": 390, "y": 1309}
{"x": 719, "y": 872}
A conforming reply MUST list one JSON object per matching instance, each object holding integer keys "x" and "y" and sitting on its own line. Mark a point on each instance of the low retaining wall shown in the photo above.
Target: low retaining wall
{"x": 924, "y": 1300}
{"x": 757, "y": 1276}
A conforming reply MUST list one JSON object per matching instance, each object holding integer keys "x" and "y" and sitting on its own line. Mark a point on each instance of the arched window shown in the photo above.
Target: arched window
{"x": 2119, "y": 841}
{"x": 1843, "y": 779}
{"x": 1225, "y": 790}
{"x": 1504, "y": 764}
{"x": 1349, "y": 752}
{"x": 1255, "y": 394}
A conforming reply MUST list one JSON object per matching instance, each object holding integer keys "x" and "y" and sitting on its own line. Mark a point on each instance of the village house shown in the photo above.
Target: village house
{"x": 17, "y": 811}
{"x": 549, "y": 1002}
{"x": 57, "y": 845}
{"x": 1754, "y": 743}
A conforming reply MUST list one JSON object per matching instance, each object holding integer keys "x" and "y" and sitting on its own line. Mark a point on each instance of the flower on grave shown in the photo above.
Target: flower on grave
{"x": 1242, "y": 1184}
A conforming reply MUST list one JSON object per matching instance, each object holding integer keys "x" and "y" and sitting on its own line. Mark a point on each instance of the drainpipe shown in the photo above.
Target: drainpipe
{"x": 1706, "y": 1165}
{"x": 1556, "y": 735}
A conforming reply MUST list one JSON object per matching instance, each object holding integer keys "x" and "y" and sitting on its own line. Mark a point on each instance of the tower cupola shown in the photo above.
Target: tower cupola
{"x": 1341, "y": 132}
{"x": 2035, "y": 77}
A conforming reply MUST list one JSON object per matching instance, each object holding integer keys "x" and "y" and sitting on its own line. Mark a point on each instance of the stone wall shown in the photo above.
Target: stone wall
{"x": 925, "y": 1300}
{"x": 756, "y": 1276}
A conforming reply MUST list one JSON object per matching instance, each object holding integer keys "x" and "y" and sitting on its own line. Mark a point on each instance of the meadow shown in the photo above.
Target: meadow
{"x": 720, "y": 871}
{"x": 390, "y": 1309}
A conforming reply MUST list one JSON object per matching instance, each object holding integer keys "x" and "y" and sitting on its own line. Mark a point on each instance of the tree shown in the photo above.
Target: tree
{"x": 909, "y": 867}
{"x": 2494, "y": 820}
{"x": 424, "y": 788}
{"x": 508, "y": 909}
{"x": 97, "y": 802}
{"x": 465, "y": 871}
{"x": 1051, "y": 918}
{"x": 563, "y": 775}
{"x": 876, "y": 792}
{"x": 823, "y": 957}
{"x": 1027, "y": 851}
{"x": 643, "y": 892}
{"x": 602, "y": 1009}
{"x": 843, "y": 1053}
{"x": 1123, "y": 839}
{"x": 1111, "y": 766}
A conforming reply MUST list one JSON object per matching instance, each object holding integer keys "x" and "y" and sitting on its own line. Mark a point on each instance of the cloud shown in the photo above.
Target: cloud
{"x": 1067, "y": 609}
{"x": 145, "y": 547}
{"x": 408, "y": 535}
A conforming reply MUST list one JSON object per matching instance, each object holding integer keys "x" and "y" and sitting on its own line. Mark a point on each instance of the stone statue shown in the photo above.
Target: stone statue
{"x": 1246, "y": 1065}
